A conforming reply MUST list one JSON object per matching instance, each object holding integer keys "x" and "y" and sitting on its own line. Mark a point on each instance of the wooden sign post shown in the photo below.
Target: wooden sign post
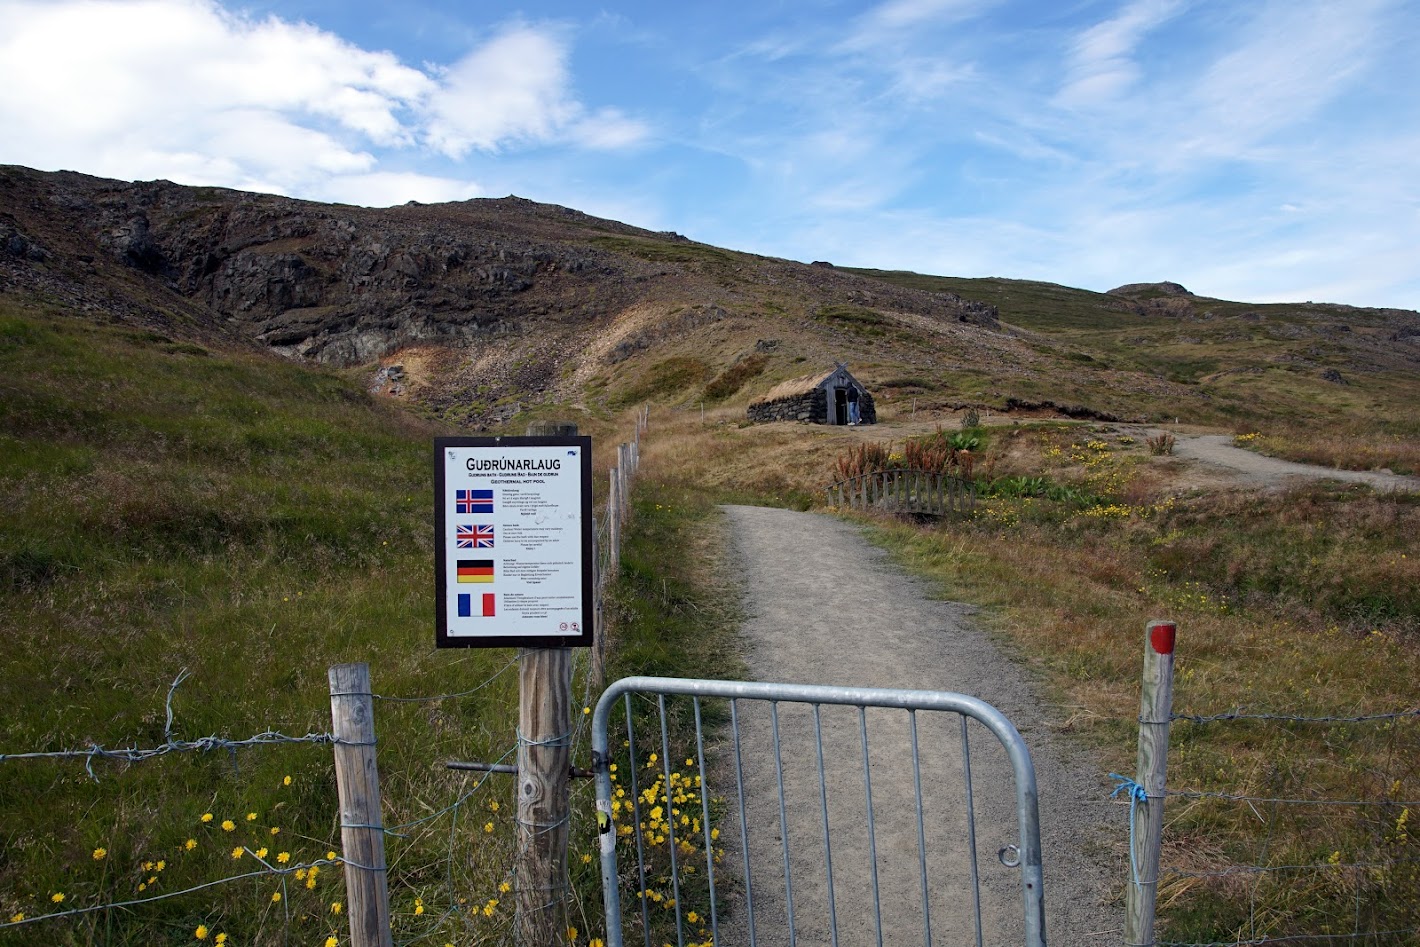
{"x": 544, "y": 761}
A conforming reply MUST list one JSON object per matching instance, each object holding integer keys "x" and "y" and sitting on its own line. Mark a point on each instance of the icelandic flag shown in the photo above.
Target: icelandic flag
{"x": 474, "y": 537}
{"x": 466, "y": 606}
{"x": 473, "y": 501}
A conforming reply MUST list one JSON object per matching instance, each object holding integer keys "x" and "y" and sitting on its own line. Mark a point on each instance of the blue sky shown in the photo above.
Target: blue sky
{"x": 1248, "y": 149}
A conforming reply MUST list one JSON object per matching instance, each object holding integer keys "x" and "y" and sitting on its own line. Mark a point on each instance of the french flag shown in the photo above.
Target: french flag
{"x": 466, "y": 605}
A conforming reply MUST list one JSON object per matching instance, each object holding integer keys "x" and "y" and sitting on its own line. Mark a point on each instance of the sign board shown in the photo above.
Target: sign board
{"x": 513, "y": 541}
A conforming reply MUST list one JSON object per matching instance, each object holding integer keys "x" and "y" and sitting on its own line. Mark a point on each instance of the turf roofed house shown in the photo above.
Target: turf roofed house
{"x": 818, "y": 399}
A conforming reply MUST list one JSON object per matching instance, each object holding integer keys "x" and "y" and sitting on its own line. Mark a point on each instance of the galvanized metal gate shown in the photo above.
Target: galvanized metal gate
{"x": 734, "y": 772}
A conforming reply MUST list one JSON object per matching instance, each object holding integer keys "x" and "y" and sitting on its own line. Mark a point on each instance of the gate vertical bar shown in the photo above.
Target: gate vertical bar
{"x": 669, "y": 791}
{"x": 783, "y": 824}
{"x": 971, "y": 828}
{"x": 827, "y": 845}
{"x": 921, "y": 833}
{"x": 705, "y": 824}
{"x": 1147, "y": 815}
{"x": 872, "y": 828}
{"x": 744, "y": 821}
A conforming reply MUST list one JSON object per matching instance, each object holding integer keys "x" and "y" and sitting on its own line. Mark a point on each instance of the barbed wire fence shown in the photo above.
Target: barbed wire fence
{"x": 456, "y": 898}
{"x": 1302, "y": 848}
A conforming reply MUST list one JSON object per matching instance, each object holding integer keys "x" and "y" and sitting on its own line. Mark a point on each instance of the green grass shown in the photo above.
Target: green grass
{"x": 735, "y": 377}
{"x": 665, "y": 379}
{"x": 251, "y": 521}
{"x": 1301, "y": 602}
{"x": 703, "y": 256}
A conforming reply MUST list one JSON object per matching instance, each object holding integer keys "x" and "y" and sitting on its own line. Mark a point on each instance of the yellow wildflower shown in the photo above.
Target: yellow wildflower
{"x": 335, "y": 907}
{"x": 276, "y": 897}
{"x": 488, "y": 827}
{"x": 16, "y": 918}
{"x": 57, "y": 897}
{"x": 201, "y": 932}
{"x": 286, "y": 781}
{"x": 330, "y": 856}
{"x": 161, "y": 865}
{"x": 331, "y": 942}
{"x": 228, "y": 825}
{"x": 505, "y": 887}
{"x": 283, "y": 857}
{"x": 261, "y": 853}
{"x": 221, "y": 937}
{"x": 190, "y": 844}
{"x": 251, "y": 816}
{"x": 275, "y": 830}
{"x": 99, "y": 854}
{"x": 237, "y": 852}
{"x": 206, "y": 817}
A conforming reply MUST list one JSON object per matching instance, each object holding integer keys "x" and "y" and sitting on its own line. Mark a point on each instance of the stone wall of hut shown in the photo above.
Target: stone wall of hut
{"x": 810, "y": 407}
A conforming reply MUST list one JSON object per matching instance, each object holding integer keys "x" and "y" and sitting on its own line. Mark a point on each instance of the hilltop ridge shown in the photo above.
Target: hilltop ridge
{"x": 477, "y": 308}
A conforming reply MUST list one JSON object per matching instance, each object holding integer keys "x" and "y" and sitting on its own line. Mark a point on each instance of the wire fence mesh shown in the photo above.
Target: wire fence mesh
{"x": 1292, "y": 828}
{"x": 450, "y": 840}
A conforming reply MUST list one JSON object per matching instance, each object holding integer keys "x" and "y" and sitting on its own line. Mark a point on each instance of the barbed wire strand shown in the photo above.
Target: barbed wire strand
{"x": 1250, "y": 869}
{"x": 1286, "y": 938}
{"x": 1234, "y": 797}
{"x": 1287, "y": 718}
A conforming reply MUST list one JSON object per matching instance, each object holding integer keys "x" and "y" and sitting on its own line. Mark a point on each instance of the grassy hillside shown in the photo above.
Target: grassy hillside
{"x": 169, "y": 508}
{"x": 1325, "y": 383}
{"x": 1300, "y": 602}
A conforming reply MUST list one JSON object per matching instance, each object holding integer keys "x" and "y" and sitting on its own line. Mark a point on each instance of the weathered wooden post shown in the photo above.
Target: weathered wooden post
{"x": 544, "y": 762}
{"x": 1147, "y": 814}
{"x": 357, "y": 784}
{"x": 613, "y": 524}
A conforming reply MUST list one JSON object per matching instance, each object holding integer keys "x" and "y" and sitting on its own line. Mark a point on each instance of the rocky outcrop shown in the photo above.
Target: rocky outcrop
{"x": 348, "y": 285}
{"x": 1149, "y": 289}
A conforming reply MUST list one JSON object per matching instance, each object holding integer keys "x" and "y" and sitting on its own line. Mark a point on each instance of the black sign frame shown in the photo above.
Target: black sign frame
{"x": 581, "y": 639}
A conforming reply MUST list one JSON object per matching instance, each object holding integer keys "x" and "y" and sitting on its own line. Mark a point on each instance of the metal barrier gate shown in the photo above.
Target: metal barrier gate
{"x": 770, "y": 833}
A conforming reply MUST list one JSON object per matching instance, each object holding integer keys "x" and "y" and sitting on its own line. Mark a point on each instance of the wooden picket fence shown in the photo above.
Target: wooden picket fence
{"x": 905, "y": 491}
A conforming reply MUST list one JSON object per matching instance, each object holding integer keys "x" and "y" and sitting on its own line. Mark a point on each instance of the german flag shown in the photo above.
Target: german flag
{"x": 475, "y": 570}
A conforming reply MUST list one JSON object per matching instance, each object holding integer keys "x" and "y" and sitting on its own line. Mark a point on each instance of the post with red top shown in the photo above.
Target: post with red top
{"x": 1147, "y": 813}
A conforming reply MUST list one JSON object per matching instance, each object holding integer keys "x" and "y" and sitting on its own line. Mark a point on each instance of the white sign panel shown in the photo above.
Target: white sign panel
{"x": 514, "y": 554}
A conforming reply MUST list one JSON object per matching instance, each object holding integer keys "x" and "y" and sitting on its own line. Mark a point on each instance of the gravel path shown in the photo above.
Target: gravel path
{"x": 1217, "y": 450}
{"x": 824, "y": 606}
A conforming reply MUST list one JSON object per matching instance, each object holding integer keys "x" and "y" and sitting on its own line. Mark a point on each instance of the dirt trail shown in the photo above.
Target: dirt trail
{"x": 824, "y": 606}
{"x": 1217, "y": 450}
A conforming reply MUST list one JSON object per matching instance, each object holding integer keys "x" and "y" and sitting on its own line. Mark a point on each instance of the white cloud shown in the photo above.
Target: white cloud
{"x": 609, "y": 130}
{"x": 1293, "y": 59}
{"x": 907, "y": 14}
{"x": 189, "y": 90}
{"x": 514, "y": 88}
{"x": 1102, "y": 64}
{"x": 388, "y": 188}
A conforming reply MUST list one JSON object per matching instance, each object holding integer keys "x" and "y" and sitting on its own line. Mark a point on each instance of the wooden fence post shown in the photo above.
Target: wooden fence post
{"x": 544, "y": 761}
{"x": 1147, "y": 815}
{"x": 357, "y": 783}
{"x": 613, "y": 522}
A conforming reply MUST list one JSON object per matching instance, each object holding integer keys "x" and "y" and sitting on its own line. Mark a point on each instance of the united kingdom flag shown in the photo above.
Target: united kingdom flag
{"x": 473, "y": 501}
{"x": 474, "y": 537}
